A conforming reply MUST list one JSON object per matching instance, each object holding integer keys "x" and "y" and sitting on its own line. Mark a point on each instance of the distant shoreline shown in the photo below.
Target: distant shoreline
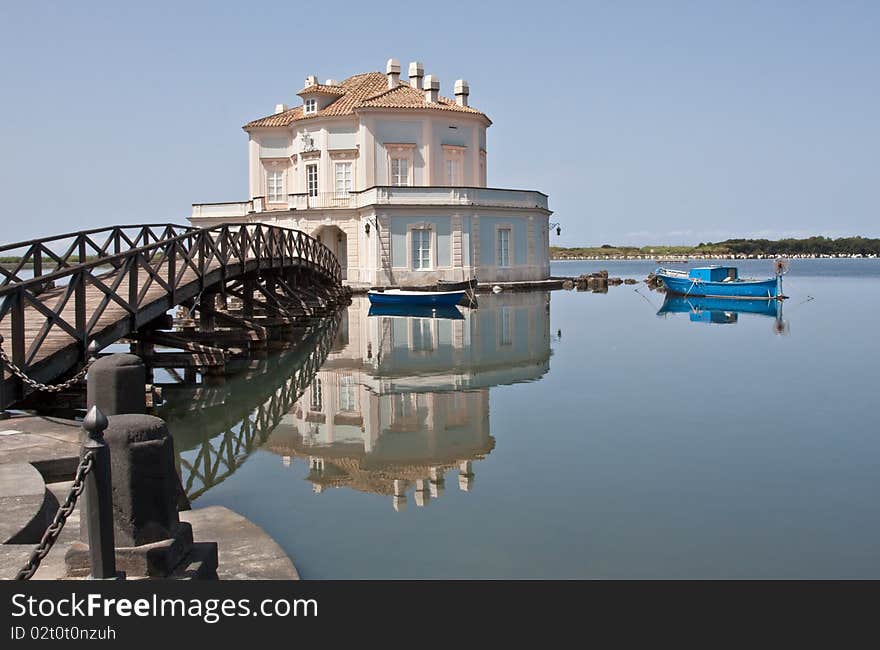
{"x": 695, "y": 258}
{"x": 730, "y": 249}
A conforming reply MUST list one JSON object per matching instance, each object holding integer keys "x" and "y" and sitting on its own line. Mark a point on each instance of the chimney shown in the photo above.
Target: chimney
{"x": 462, "y": 90}
{"x": 280, "y": 108}
{"x": 416, "y": 73}
{"x": 432, "y": 89}
{"x": 331, "y": 82}
{"x": 392, "y": 70}
{"x": 311, "y": 80}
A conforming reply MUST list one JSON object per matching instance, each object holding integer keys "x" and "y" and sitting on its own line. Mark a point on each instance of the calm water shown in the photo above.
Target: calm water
{"x": 570, "y": 435}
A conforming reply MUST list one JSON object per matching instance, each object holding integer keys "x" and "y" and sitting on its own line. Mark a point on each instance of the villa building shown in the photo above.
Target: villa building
{"x": 391, "y": 176}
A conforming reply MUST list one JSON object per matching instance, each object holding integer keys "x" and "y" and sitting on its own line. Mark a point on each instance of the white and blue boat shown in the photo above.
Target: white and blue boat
{"x": 406, "y": 297}
{"x": 718, "y": 282}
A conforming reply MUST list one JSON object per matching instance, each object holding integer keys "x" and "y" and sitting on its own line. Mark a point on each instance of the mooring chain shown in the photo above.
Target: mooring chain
{"x": 54, "y": 530}
{"x": 46, "y": 388}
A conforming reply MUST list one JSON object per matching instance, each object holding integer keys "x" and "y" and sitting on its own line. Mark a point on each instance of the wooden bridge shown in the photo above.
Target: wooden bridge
{"x": 92, "y": 288}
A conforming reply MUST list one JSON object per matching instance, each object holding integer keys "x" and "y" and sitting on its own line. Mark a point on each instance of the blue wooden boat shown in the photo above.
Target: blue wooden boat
{"x": 718, "y": 282}
{"x": 405, "y": 297}
{"x": 718, "y": 310}
{"x": 417, "y": 311}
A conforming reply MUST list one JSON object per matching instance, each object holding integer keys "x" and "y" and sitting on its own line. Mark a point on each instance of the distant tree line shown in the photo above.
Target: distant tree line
{"x": 808, "y": 246}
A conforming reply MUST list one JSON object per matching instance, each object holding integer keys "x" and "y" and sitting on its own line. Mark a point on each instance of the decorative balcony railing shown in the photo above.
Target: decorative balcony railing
{"x": 382, "y": 195}
{"x": 212, "y": 210}
{"x": 436, "y": 195}
{"x": 321, "y": 200}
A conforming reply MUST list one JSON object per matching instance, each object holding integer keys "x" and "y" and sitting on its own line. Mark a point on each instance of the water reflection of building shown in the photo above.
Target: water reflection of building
{"x": 402, "y": 401}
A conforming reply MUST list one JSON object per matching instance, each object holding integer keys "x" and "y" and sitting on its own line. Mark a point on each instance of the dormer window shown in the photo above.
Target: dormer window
{"x": 311, "y": 106}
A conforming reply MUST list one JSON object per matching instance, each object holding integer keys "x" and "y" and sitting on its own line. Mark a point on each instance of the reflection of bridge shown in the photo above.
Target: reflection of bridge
{"x": 98, "y": 286}
{"x": 236, "y": 418}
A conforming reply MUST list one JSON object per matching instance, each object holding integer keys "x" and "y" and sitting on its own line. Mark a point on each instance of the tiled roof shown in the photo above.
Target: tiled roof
{"x": 322, "y": 89}
{"x": 405, "y": 96}
{"x": 368, "y": 90}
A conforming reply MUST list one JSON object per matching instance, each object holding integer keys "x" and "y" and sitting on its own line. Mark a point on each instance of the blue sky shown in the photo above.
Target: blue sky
{"x": 654, "y": 122}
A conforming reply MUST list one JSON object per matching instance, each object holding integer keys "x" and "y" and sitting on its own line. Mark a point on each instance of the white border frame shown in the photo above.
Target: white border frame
{"x": 432, "y": 249}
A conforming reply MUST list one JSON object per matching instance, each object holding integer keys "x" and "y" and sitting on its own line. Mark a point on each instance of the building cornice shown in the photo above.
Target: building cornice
{"x": 456, "y": 115}
{"x": 344, "y": 153}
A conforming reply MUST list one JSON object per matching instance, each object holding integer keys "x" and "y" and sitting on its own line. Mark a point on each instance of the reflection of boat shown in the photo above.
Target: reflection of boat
{"x": 718, "y": 310}
{"x": 718, "y": 281}
{"x": 409, "y": 297}
{"x": 417, "y": 311}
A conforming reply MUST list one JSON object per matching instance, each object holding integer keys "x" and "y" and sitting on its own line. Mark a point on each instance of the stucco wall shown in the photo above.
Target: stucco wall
{"x": 461, "y": 136}
{"x": 442, "y": 243}
{"x": 343, "y": 136}
{"x": 398, "y": 132}
{"x": 488, "y": 238}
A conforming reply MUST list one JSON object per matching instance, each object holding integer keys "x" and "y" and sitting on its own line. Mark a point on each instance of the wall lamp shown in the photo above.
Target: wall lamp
{"x": 367, "y": 225}
{"x": 558, "y": 228}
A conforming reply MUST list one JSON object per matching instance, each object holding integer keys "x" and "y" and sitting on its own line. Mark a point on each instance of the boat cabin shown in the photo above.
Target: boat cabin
{"x": 714, "y": 274}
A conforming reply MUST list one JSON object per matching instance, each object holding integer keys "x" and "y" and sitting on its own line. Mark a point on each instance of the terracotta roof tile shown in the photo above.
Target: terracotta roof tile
{"x": 405, "y": 96}
{"x": 322, "y": 89}
{"x": 368, "y": 90}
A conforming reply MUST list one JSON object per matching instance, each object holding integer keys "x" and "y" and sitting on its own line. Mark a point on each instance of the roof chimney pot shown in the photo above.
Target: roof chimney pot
{"x": 462, "y": 90}
{"x": 416, "y": 74}
{"x": 392, "y": 71}
{"x": 311, "y": 80}
{"x": 432, "y": 89}
{"x": 280, "y": 108}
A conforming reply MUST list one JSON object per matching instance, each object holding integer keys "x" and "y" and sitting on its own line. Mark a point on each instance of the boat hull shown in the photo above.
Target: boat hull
{"x": 752, "y": 289}
{"x": 438, "y": 299}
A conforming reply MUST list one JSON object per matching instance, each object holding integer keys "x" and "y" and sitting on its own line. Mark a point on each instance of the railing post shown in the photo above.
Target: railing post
{"x": 172, "y": 269}
{"x": 133, "y": 289}
{"x": 80, "y": 311}
{"x": 243, "y": 246}
{"x": 203, "y": 253}
{"x": 18, "y": 343}
{"x": 258, "y": 239}
{"x": 98, "y": 495}
{"x": 37, "y": 258}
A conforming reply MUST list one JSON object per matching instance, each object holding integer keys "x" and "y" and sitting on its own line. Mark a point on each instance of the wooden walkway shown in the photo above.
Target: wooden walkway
{"x": 103, "y": 285}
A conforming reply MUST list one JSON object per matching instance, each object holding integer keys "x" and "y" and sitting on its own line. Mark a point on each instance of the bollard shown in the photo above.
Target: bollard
{"x": 98, "y": 499}
{"x": 150, "y": 540}
{"x": 116, "y": 384}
